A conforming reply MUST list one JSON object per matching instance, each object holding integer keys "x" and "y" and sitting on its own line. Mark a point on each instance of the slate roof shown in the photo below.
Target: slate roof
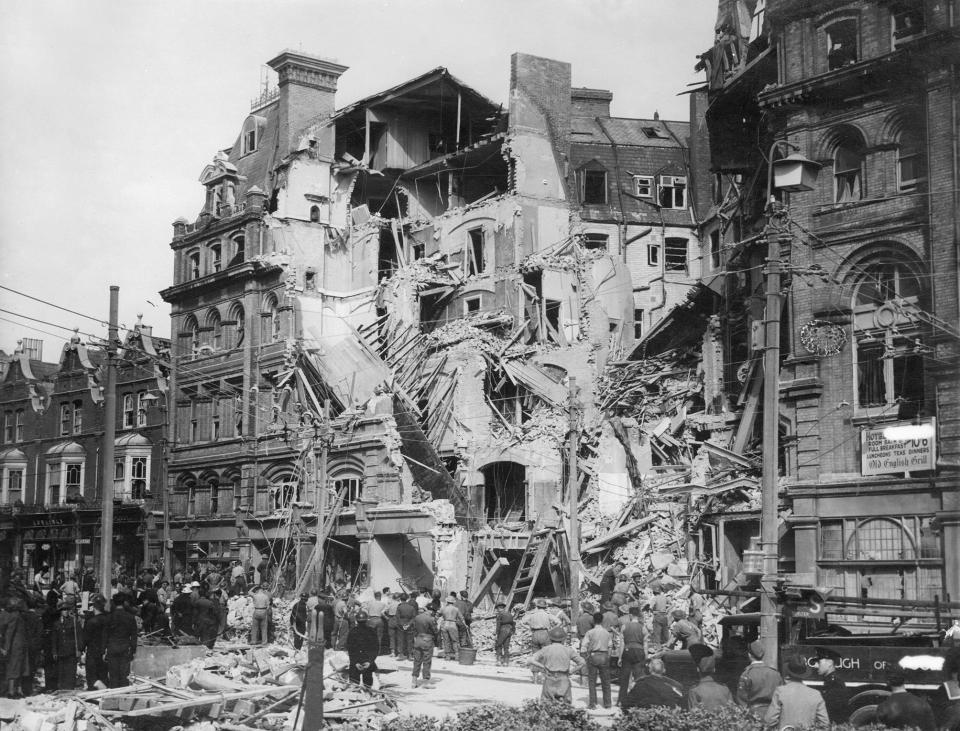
{"x": 629, "y": 132}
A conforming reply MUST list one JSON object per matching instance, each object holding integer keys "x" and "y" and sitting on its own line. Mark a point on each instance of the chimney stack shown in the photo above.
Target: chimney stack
{"x": 308, "y": 85}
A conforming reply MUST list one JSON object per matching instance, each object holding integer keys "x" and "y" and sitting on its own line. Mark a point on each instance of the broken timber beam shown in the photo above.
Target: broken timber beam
{"x": 206, "y": 700}
{"x": 598, "y": 543}
{"x": 488, "y": 580}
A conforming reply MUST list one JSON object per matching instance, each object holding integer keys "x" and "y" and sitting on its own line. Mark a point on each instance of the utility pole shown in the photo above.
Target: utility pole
{"x": 312, "y": 694}
{"x": 109, "y": 435}
{"x": 573, "y": 484}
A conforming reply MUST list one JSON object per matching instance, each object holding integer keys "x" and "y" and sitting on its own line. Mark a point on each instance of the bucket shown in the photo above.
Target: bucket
{"x": 467, "y": 655}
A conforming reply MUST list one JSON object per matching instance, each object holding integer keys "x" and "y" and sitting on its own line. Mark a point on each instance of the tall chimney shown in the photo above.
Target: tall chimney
{"x": 308, "y": 85}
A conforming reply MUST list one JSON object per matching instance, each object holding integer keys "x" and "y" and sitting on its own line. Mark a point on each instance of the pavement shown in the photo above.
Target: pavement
{"x": 454, "y": 687}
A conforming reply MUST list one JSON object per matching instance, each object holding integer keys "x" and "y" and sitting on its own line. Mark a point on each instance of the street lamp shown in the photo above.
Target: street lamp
{"x": 152, "y": 399}
{"x": 793, "y": 173}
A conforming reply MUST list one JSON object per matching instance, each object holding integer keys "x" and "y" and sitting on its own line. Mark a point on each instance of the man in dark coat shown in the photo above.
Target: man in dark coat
{"x": 708, "y": 693}
{"x": 94, "y": 643}
{"x": 49, "y": 616}
{"x": 406, "y": 612}
{"x": 834, "y": 691}
{"x": 67, "y": 644}
{"x": 14, "y": 647}
{"x": 902, "y": 709}
{"x": 121, "y": 644}
{"x": 298, "y": 620}
{"x": 655, "y": 689}
{"x": 206, "y": 617}
{"x": 757, "y": 682}
{"x": 363, "y": 646}
{"x": 181, "y": 613}
{"x": 609, "y": 580}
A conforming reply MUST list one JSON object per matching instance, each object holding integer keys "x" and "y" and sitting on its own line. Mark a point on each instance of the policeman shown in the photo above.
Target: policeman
{"x": 834, "y": 691}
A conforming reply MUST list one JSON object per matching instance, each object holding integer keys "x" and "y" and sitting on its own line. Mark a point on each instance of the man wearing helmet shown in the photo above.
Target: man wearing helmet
{"x": 555, "y": 662}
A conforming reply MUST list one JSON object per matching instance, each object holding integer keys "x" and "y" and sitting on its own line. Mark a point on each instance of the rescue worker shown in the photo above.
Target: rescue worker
{"x": 757, "y": 682}
{"x": 554, "y": 663}
{"x": 94, "y": 643}
{"x": 609, "y": 581}
{"x": 181, "y": 613}
{"x": 683, "y": 630}
{"x": 407, "y": 611}
{"x": 298, "y": 620}
{"x": 596, "y": 648}
{"x": 793, "y": 704}
{"x": 659, "y": 603}
{"x": 121, "y": 644}
{"x": 424, "y": 641}
{"x": 259, "y": 627}
{"x": 451, "y": 620}
{"x": 66, "y": 644}
{"x": 465, "y": 606}
{"x": 363, "y": 646}
{"x": 708, "y": 693}
{"x": 506, "y": 626}
{"x": 633, "y": 658}
{"x": 390, "y": 604}
{"x": 341, "y": 625}
{"x": 374, "y": 609}
{"x": 206, "y": 617}
{"x": 540, "y": 622}
{"x": 834, "y": 691}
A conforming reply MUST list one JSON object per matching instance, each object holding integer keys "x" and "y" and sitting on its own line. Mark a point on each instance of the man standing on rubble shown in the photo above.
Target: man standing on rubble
{"x": 424, "y": 640}
{"x": 181, "y": 613}
{"x": 363, "y": 646}
{"x": 554, "y": 662}
{"x": 659, "y": 603}
{"x": 684, "y": 630}
{"x": 609, "y": 581}
{"x": 298, "y": 620}
{"x": 757, "y": 682}
{"x": 450, "y": 628}
{"x": 261, "y": 615}
{"x": 66, "y": 644}
{"x": 406, "y": 612}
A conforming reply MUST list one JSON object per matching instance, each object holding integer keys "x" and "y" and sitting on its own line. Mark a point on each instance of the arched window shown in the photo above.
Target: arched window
{"x": 190, "y": 336}
{"x": 248, "y": 137}
{"x": 216, "y": 257}
{"x": 909, "y": 160}
{"x": 193, "y": 265}
{"x": 888, "y": 354}
{"x": 270, "y": 319}
{"x": 233, "y": 333}
{"x": 239, "y": 249}
{"x": 216, "y": 331}
{"x": 848, "y": 171}
{"x": 314, "y": 214}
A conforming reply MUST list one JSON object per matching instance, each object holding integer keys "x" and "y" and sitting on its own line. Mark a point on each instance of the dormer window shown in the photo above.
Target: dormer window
{"x": 594, "y": 187}
{"x": 248, "y": 137}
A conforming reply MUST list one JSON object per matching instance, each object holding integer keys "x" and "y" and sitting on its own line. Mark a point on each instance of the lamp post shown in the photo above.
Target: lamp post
{"x": 794, "y": 173}
{"x": 152, "y": 400}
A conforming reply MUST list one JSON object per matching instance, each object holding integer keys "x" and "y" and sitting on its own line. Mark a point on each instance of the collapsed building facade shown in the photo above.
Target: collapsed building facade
{"x": 869, "y": 340}
{"x": 377, "y": 314}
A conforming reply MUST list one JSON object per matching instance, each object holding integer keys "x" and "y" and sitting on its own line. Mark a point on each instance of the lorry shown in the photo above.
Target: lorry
{"x": 865, "y": 659}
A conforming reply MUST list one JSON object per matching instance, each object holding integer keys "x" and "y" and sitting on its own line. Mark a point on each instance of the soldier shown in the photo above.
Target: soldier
{"x": 506, "y": 626}
{"x": 298, "y": 621}
{"x": 554, "y": 662}
{"x": 450, "y": 628}
{"x": 424, "y": 640}
{"x": 540, "y": 622}
{"x": 661, "y": 625}
{"x": 757, "y": 682}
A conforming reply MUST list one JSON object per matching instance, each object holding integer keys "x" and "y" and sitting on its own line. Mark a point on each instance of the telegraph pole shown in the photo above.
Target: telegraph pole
{"x": 109, "y": 434}
{"x": 573, "y": 485}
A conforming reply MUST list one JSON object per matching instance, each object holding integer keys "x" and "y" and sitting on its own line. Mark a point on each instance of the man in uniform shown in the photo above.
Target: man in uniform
{"x": 298, "y": 620}
{"x": 466, "y": 611}
{"x": 834, "y": 692}
{"x": 506, "y": 626}
{"x": 634, "y": 657}
{"x": 554, "y": 662}
{"x": 595, "y": 648}
{"x": 708, "y": 693}
{"x": 684, "y": 630}
{"x": 655, "y": 689}
{"x": 424, "y": 640}
{"x": 95, "y": 643}
{"x": 609, "y": 580}
{"x": 757, "y": 682}
{"x": 793, "y": 704}
{"x": 363, "y": 646}
{"x": 451, "y": 620}
{"x": 406, "y": 612}
{"x": 121, "y": 644}
{"x": 540, "y": 622}
{"x": 661, "y": 624}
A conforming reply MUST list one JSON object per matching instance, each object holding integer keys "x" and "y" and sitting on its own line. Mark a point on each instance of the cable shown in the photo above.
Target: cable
{"x": 51, "y": 304}
{"x": 45, "y": 322}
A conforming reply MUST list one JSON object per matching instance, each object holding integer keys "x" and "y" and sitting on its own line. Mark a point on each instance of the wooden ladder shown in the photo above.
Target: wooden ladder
{"x": 531, "y": 562}
{"x": 333, "y": 512}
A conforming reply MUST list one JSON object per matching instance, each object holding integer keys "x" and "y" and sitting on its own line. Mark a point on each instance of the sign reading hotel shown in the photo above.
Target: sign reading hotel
{"x": 898, "y": 448}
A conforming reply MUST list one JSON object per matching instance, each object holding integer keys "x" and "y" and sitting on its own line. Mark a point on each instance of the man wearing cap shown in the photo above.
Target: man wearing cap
{"x": 684, "y": 630}
{"x": 902, "y": 709}
{"x": 121, "y": 644}
{"x": 66, "y": 644}
{"x": 466, "y": 610}
{"x": 261, "y": 616}
{"x": 406, "y": 612}
{"x": 609, "y": 580}
{"x": 655, "y": 689}
{"x": 834, "y": 691}
{"x": 554, "y": 662}
{"x": 424, "y": 640}
{"x": 540, "y": 622}
{"x": 793, "y": 704}
{"x": 389, "y": 614}
{"x": 708, "y": 693}
{"x": 363, "y": 646}
{"x": 450, "y": 623}
{"x": 181, "y": 612}
{"x": 506, "y": 626}
{"x": 94, "y": 643}
{"x": 659, "y": 603}
{"x": 595, "y": 647}
{"x": 298, "y": 620}
{"x": 757, "y": 682}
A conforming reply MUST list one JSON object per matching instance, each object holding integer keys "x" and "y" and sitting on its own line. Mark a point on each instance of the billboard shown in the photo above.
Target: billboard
{"x": 899, "y": 447}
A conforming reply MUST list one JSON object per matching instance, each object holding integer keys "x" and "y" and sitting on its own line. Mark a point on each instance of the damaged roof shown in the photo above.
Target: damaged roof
{"x": 629, "y": 132}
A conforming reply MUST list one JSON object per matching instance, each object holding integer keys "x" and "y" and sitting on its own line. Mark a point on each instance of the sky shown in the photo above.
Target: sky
{"x": 113, "y": 107}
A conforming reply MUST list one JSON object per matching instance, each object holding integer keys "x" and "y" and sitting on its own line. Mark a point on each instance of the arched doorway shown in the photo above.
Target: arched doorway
{"x": 505, "y": 492}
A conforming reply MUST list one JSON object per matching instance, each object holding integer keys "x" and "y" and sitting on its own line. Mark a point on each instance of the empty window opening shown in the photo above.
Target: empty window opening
{"x": 476, "y": 259}
{"x": 675, "y": 255}
{"x": 250, "y": 141}
{"x": 643, "y": 186}
{"x": 673, "y": 191}
{"x": 471, "y": 305}
{"x": 594, "y": 187}
{"x": 310, "y": 280}
{"x": 388, "y": 262}
{"x": 841, "y": 43}
{"x": 419, "y": 251}
{"x": 655, "y": 133}
{"x": 847, "y": 173}
{"x": 596, "y": 241}
{"x": 907, "y": 23}
{"x": 505, "y": 492}
{"x": 532, "y": 302}
{"x": 551, "y": 311}
{"x": 314, "y": 214}
{"x": 352, "y": 488}
{"x": 637, "y": 323}
{"x": 512, "y": 401}
{"x": 238, "y": 243}
{"x": 715, "y": 249}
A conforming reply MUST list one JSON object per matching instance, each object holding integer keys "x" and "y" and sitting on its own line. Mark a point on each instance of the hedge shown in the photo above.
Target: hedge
{"x": 538, "y": 715}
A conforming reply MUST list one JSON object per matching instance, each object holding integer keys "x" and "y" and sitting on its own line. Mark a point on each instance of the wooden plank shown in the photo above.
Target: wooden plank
{"x": 745, "y": 427}
{"x": 208, "y": 699}
{"x": 598, "y": 543}
{"x": 488, "y": 580}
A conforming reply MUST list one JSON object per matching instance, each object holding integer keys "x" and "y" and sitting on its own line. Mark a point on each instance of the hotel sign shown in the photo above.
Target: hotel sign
{"x": 898, "y": 448}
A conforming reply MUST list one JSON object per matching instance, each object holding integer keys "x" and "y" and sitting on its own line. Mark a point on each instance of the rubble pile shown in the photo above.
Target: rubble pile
{"x": 240, "y": 617}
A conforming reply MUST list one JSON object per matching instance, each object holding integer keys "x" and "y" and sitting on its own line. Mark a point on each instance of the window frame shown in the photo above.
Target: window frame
{"x": 910, "y": 184}
{"x": 899, "y": 36}
{"x": 674, "y": 264}
{"x": 66, "y": 420}
{"x": 653, "y": 255}
{"x": 828, "y": 42}
{"x": 677, "y": 185}
{"x": 77, "y": 425}
{"x": 469, "y": 301}
{"x": 641, "y": 183}
{"x": 855, "y": 174}
{"x": 141, "y": 409}
{"x": 476, "y": 248}
{"x": 8, "y": 427}
{"x": 129, "y": 414}
{"x": 216, "y": 257}
{"x": 584, "y": 188}
{"x": 596, "y": 241}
